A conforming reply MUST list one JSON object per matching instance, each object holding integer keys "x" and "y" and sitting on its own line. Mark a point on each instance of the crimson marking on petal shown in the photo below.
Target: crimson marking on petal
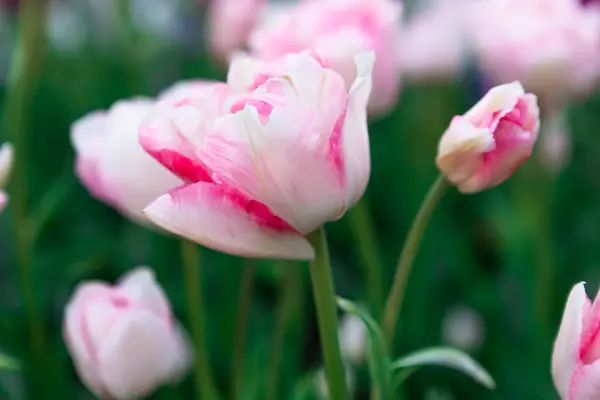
{"x": 185, "y": 168}
{"x": 259, "y": 212}
{"x": 335, "y": 146}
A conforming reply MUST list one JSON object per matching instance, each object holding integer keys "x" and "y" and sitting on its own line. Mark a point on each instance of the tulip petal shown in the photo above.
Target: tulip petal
{"x": 78, "y": 342}
{"x": 500, "y": 99}
{"x": 3, "y": 200}
{"x": 221, "y": 218}
{"x": 170, "y": 136}
{"x": 135, "y": 357}
{"x": 565, "y": 356}
{"x": 140, "y": 285}
{"x": 355, "y": 135}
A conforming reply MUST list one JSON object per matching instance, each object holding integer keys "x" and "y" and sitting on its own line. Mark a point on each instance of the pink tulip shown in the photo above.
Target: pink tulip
{"x": 112, "y": 165}
{"x": 552, "y": 46}
{"x": 439, "y": 26}
{"x": 338, "y": 30}
{"x": 6, "y": 162}
{"x": 483, "y": 147}
{"x": 123, "y": 339}
{"x": 575, "y": 366}
{"x": 274, "y": 166}
{"x": 231, "y": 22}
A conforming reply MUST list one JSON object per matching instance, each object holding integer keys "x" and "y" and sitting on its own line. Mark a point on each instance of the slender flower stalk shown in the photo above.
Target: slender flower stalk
{"x": 369, "y": 251}
{"x": 324, "y": 295}
{"x": 205, "y": 388}
{"x": 409, "y": 252}
{"x": 26, "y": 64}
{"x": 241, "y": 328}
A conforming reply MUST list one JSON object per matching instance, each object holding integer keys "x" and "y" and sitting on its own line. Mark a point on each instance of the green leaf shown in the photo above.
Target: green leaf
{"x": 7, "y": 362}
{"x": 448, "y": 357}
{"x": 378, "y": 357}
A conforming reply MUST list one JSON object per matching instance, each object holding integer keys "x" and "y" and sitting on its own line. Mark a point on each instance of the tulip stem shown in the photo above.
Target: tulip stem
{"x": 324, "y": 295}
{"x": 409, "y": 252}
{"x": 369, "y": 251}
{"x": 195, "y": 307}
{"x": 241, "y": 329}
{"x": 26, "y": 65}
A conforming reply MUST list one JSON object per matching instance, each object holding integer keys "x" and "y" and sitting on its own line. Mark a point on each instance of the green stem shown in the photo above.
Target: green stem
{"x": 241, "y": 329}
{"x": 369, "y": 251}
{"x": 324, "y": 296}
{"x": 411, "y": 246}
{"x": 290, "y": 289}
{"x": 205, "y": 388}
{"x": 26, "y": 65}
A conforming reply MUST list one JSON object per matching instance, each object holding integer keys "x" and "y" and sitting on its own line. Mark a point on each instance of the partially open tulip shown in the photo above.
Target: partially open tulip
{"x": 231, "y": 22}
{"x": 6, "y": 162}
{"x": 123, "y": 339}
{"x": 483, "y": 147}
{"x": 338, "y": 30}
{"x": 576, "y": 355}
{"x": 277, "y": 164}
{"x": 551, "y": 46}
{"x": 112, "y": 165}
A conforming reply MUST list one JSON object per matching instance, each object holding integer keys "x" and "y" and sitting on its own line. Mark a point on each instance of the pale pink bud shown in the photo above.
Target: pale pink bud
{"x": 483, "y": 147}
{"x": 337, "y": 30}
{"x": 576, "y": 355}
{"x": 112, "y": 165}
{"x": 353, "y": 338}
{"x": 6, "y": 163}
{"x": 123, "y": 339}
{"x": 555, "y": 142}
{"x": 231, "y": 22}
{"x": 551, "y": 46}
{"x": 278, "y": 163}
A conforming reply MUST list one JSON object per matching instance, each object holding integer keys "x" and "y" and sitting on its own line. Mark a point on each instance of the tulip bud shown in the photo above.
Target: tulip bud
{"x": 353, "y": 338}
{"x": 576, "y": 355}
{"x": 483, "y": 147}
{"x": 555, "y": 143}
{"x": 123, "y": 339}
{"x": 463, "y": 328}
{"x": 6, "y": 162}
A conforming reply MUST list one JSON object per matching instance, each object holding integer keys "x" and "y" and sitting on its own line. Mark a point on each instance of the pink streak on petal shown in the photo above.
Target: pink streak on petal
{"x": 221, "y": 217}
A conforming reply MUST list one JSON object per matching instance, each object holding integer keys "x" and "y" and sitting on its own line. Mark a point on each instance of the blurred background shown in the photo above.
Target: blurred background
{"x": 491, "y": 277}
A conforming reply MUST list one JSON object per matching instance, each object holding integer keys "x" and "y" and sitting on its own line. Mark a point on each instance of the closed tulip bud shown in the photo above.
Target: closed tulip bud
{"x": 576, "y": 355}
{"x": 123, "y": 339}
{"x": 483, "y": 147}
{"x": 555, "y": 142}
{"x": 353, "y": 338}
{"x": 112, "y": 165}
{"x": 277, "y": 164}
{"x": 338, "y": 30}
{"x": 6, "y": 162}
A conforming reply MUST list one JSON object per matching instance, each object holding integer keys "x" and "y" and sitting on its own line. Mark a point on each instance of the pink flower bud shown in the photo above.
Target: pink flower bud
{"x": 267, "y": 167}
{"x": 338, "y": 30}
{"x": 576, "y": 355}
{"x": 483, "y": 147}
{"x": 112, "y": 165}
{"x": 123, "y": 339}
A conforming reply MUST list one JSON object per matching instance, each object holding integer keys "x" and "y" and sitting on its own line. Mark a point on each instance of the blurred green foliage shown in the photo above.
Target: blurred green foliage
{"x": 511, "y": 253}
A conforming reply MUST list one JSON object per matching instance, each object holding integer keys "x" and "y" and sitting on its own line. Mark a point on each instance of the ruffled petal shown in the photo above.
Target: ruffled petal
{"x": 222, "y": 218}
{"x": 140, "y": 286}
{"x": 566, "y": 347}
